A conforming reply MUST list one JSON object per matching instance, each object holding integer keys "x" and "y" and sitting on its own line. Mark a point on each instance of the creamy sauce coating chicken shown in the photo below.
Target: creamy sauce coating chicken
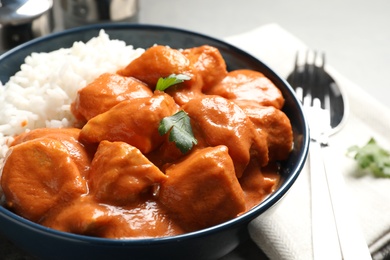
{"x": 113, "y": 175}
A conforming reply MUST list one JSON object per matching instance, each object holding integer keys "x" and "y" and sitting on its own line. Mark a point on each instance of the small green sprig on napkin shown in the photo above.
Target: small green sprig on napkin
{"x": 372, "y": 158}
{"x": 178, "y": 125}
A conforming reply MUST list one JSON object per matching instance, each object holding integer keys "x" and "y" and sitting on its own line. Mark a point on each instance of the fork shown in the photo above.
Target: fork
{"x": 334, "y": 233}
{"x": 324, "y": 230}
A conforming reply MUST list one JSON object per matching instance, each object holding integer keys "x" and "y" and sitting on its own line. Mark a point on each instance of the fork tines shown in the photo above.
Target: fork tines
{"x": 309, "y": 78}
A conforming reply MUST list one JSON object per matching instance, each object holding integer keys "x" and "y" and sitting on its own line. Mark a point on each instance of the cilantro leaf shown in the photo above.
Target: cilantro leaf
{"x": 173, "y": 79}
{"x": 372, "y": 158}
{"x": 180, "y": 131}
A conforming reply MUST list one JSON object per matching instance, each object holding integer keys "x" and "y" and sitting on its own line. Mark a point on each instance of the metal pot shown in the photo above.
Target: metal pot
{"x": 23, "y": 20}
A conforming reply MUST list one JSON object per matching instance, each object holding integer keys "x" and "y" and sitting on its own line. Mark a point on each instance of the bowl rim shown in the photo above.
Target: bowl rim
{"x": 246, "y": 217}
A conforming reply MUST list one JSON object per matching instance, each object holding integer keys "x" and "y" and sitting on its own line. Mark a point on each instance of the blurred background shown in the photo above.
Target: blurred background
{"x": 354, "y": 33}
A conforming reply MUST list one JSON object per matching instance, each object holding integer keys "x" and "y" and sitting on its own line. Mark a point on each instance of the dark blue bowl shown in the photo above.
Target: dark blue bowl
{"x": 210, "y": 243}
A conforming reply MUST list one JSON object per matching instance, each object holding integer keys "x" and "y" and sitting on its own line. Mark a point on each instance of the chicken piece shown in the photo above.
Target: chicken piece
{"x": 161, "y": 62}
{"x": 87, "y": 217}
{"x": 79, "y": 153}
{"x": 224, "y": 123}
{"x": 39, "y": 174}
{"x": 249, "y": 85}
{"x": 276, "y": 126}
{"x": 105, "y": 92}
{"x": 202, "y": 190}
{"x": 120, "y": 174}
{"x": 132, "y": 121}
{"x": 209, "y": 63}
{"x": 210, "y": 69}
{"x": 158, "y": 62}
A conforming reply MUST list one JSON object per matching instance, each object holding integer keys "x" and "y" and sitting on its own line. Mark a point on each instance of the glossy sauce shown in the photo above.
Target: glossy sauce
{"x": 113, "y": 175}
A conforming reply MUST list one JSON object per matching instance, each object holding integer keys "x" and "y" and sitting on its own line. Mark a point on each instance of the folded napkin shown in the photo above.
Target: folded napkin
{"x": 286, "y": 233}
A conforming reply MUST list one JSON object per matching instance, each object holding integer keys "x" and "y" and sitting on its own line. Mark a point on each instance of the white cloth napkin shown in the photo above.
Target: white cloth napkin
{"x": 286, "y": 234}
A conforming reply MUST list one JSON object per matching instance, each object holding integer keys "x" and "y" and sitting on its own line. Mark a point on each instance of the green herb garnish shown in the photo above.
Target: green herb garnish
{"x": 173, "y": 79}
{"x": 372, "y": 158}
{"x": 180, "y": 131}
{"x": 178, "y": 125}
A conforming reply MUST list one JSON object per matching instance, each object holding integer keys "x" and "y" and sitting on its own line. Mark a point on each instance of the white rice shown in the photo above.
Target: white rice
{"x": 40, "y": 94}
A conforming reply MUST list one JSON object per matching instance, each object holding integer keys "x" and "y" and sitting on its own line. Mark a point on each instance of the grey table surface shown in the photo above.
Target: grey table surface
{"x": 354, "y": 34}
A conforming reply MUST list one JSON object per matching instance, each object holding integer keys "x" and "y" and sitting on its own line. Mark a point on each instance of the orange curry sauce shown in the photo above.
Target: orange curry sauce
{"x": 113, "y": 175}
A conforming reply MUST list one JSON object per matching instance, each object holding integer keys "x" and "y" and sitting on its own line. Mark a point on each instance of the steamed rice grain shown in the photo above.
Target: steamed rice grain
{"x": 40, "y": 94}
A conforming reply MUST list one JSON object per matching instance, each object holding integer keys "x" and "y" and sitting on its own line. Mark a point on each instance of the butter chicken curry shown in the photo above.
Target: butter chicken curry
{"x": 115, "y": 176}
